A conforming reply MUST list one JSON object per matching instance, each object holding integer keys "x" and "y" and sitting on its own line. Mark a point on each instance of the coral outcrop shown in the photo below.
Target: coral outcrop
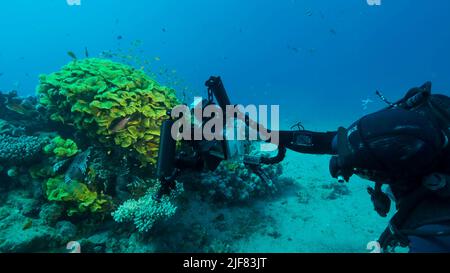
{"x": 110, "y": 102}
{"x": 145, "y": 211}
{"x": 19, "y": 150}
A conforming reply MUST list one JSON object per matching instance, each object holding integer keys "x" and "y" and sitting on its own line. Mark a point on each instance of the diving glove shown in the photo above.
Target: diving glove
{"x": 380, "y": 200}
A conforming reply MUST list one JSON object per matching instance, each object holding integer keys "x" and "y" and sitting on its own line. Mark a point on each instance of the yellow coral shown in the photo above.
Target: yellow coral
{"x": 97, "y": 94}
{"x": 78, "y": 194}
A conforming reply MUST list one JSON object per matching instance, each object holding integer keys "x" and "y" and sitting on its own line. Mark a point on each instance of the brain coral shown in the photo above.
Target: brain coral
{"x": 111, "y": 102}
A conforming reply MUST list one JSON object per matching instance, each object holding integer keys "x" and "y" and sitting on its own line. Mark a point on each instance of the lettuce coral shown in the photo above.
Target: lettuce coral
{"x": 111, "y": 102}
{"x": 62, "y": 148}
{"x": 78, "y": 195}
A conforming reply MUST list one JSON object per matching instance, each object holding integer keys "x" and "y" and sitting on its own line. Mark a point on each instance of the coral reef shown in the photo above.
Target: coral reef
{"x": 145, "y": 211}
{"x": 76, "y": 195}
{"x": 111, "y": 102}
{"x": 19, "y": 150}
{"x": 234, "y": 182}
{"x": 7, "y": 128}
{"x": 77, "y": 164}
{"x": 61, "y": 147}
{"x": 23, "y": 231}
{"x": 22, "y": 115}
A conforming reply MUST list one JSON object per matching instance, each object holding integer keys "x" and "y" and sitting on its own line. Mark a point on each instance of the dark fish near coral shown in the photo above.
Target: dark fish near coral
{"x": 107, "y": 54}
{"x": 294, "y": 49}
{"x": 119, "y": 37}
{"x": 322, "y": 16}
{"x": 17, "y": 108}
{"x": 78, "y": 167}
{"x": 72, "y": 55}
{"x": 86, "y": 52}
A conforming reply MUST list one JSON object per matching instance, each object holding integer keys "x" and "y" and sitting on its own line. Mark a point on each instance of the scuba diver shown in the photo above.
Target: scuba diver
{"x": 403, "y": 148}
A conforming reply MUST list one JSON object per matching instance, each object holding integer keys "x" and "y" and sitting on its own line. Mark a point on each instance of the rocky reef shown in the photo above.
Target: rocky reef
{"x": 77, "y": 164}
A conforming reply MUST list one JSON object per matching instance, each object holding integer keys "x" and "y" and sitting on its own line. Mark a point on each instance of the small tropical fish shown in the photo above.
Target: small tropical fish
{"x": 333, "y": 31}
{"x": 28, "y": 224}
{"x": 16, "y": 108}
{"x": 365, "y": 103}
{"x": 157, "y": 59}
{"x": 136, "y": 43}
{"x": 120, "y": 124}
{"x": 322, "y": 16}
{"x": 1, "y": 74}
{"x": 120, "y": 37}
{"x": 309, "y": 12}
{"x": 163, "y": 29}
{"x": 107, "y": 54}
{"x": 86, "y": 52}
{"x": 72, "y": 55}
{"x": 293, "y": 48}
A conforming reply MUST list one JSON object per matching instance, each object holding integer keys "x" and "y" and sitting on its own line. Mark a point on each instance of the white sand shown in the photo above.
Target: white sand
{"x": 291, "y": 223}
{"x": 346, "y": 224}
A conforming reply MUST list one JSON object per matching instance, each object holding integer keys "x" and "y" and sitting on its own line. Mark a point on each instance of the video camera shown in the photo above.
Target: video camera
{"x": 203, "y": 154}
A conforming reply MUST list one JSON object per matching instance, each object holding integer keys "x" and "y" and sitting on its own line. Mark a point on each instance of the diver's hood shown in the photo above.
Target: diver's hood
{"x": 394, "y": 144}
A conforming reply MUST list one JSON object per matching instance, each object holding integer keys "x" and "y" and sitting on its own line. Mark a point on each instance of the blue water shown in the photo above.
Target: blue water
{"x": 317, "y": 59}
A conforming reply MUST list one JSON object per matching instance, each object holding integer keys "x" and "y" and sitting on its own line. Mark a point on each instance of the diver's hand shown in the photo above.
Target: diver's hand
{"x": 381, "y": 202}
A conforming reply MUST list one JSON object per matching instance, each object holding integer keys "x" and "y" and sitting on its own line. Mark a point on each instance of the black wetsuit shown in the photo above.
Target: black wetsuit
{"x": 399, "y": 146}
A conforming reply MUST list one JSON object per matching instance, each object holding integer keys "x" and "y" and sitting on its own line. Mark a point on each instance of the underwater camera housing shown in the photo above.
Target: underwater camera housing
{"x": 206, "y": 154}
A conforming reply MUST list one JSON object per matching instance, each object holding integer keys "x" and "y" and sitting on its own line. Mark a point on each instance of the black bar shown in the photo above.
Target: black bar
{"x": 215, "y": 84}
{"x": 167, "y": 149}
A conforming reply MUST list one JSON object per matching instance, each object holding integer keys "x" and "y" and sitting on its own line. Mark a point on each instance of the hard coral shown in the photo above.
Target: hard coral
{"x": 145, "y": 211}
{"x": 21, "y": 149}
{"x": 111, "y": 102}
{"x": 236, "y": 182}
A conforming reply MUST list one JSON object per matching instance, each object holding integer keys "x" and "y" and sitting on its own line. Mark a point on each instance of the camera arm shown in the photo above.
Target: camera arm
{"x": 209, "y": 154}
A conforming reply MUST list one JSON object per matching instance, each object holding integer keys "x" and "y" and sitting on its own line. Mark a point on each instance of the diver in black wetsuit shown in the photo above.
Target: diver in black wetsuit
{"x": 404, "y": 149}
